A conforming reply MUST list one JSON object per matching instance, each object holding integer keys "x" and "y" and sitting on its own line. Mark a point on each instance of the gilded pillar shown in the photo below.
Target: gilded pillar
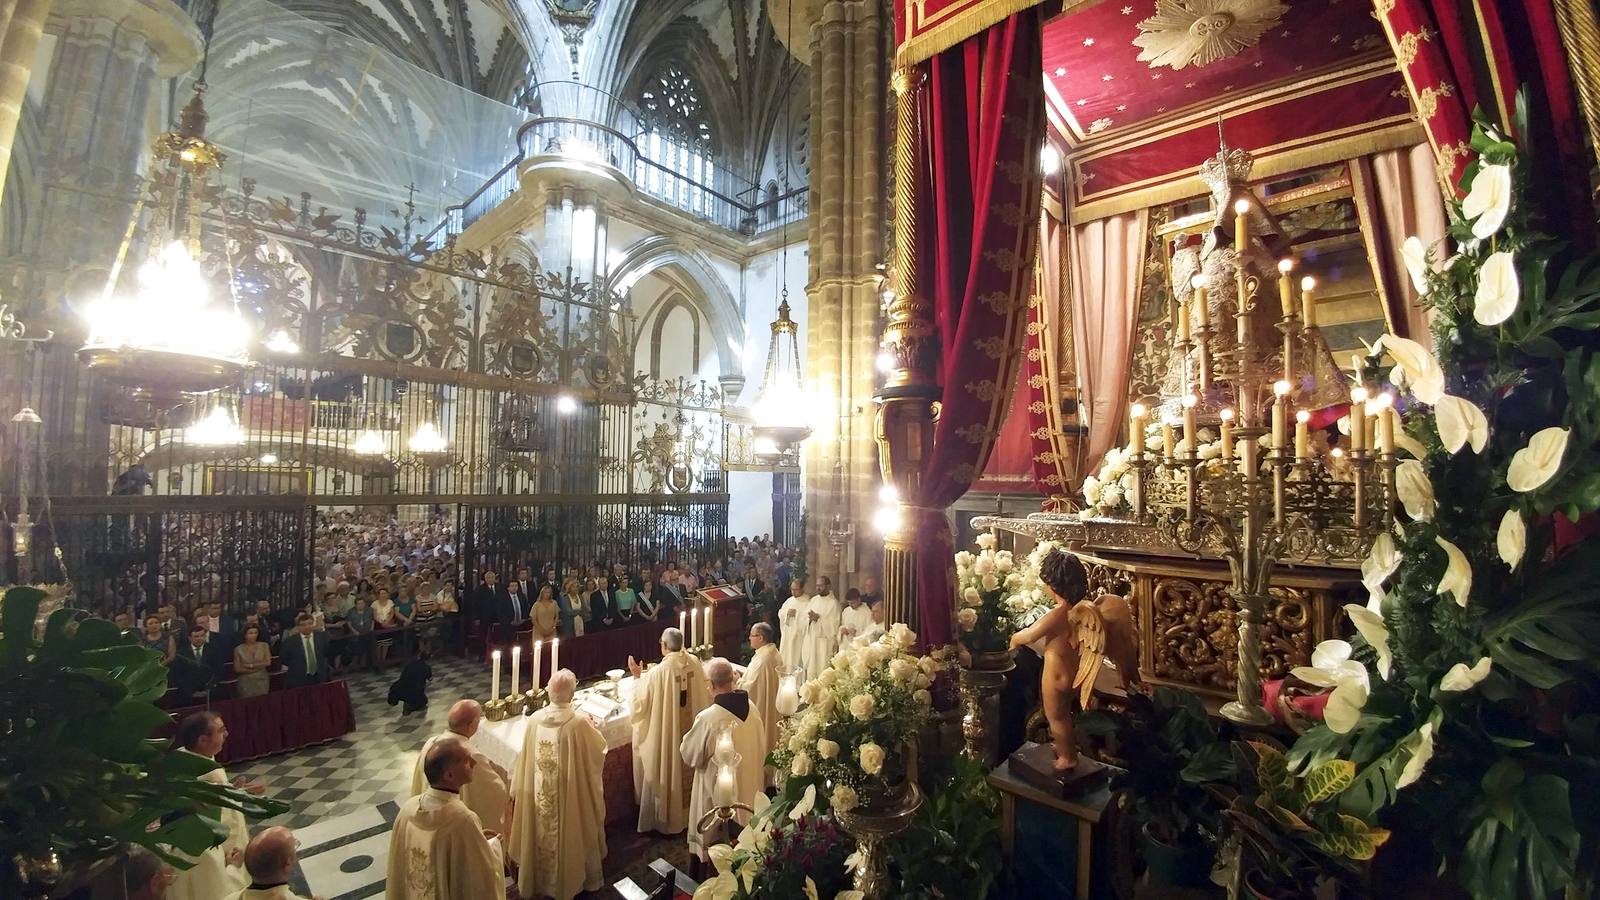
{"x": 848, "y": 52}
{"x": 21, "y": 28}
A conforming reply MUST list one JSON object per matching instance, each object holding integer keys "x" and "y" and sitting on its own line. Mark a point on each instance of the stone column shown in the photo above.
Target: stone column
{"x": 21, "y": 27}
{"x": 847, "y": 54}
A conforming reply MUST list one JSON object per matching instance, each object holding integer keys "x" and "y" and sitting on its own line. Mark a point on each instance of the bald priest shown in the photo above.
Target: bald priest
{"x": 438, "y": 849}
{"x": 488, "y": 794}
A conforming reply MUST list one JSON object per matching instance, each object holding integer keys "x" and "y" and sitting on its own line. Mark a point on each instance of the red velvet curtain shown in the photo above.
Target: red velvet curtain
{"x": 1461, "y": 54}
{"x": 983, "y": 125}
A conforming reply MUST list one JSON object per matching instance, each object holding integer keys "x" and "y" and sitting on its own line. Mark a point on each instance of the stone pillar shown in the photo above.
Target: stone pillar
{"x": 848, "y": 58}
{"x": 21, "y": 27}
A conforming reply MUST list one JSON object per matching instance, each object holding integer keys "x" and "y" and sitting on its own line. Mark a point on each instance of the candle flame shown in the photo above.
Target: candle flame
{"x": 1281, "y": 388}
{"x": 1241, "y": 206}
{"x": 1227, "y": 415}
{"x": 1302, "y": 416}
{"x": 1284, "y": 265}
{"x": 1307, "y": 283}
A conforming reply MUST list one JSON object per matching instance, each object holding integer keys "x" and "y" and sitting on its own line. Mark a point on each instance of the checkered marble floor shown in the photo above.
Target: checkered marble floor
{"x": 345, "y": 794}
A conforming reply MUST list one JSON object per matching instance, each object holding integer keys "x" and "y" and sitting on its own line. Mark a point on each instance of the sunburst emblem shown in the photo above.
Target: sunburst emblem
{"x": 1200, "y": 32}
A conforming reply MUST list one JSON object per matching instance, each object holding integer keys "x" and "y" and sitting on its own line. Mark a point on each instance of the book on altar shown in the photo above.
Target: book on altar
{"x": 599, "y": 708}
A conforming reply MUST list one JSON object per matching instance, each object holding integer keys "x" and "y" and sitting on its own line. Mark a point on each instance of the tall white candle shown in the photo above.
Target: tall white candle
{"x": 683, "y": 621}
{"x": 725, "y": 792}
{"x": 494, "y": 678}
{"x": 516, "y": 666}
{"x": 538, "y": 655}
{"x": 555, "y": 658}
{"x": 705, "y": 635}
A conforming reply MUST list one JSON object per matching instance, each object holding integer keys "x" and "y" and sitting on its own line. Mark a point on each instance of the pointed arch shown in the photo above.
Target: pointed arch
{"x": 710, "y": 295}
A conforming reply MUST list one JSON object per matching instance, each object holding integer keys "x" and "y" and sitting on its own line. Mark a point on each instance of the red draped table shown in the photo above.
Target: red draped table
{"x": 279, "y": 721}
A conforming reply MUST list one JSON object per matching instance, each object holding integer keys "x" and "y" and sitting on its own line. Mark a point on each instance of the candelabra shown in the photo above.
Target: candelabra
{"x": 1261, "y": 500}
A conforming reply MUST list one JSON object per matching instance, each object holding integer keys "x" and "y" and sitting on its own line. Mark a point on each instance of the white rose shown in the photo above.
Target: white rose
{"x": 810, "y": 691}
{"x": 984, "y": 567}
{"x": 967, "y": 619}
{"x": 844, "y": 798}
{"x": 922, "y": 680}
{"x": 1460, "y": 423}
{"x": 1416, "y": 258}
{"x": 827, "y": 749}
{"x": 902, "y": 635}
{"x": 965, "y": 559}
{"x": 986, "y": 541}
{"x": 1004, "y": 562}
{"x": 1416, "y": 492}
{"x": 903, "y": 670}
{"x": 841, "y": 661}
{"x": 1489, "y": 200}
{"x": 991, "y": 583}
{"x": 828, "y": 678}
{"x": 797, "y": 743}
{"x": 801, "y": 767}
{"x": 1457, "y": 579}
{"x": 871, "y": 756}
{"x": 1498, "y": 289}
{"x": 861, "y": 706}
{"x": 923, "y": 697}
{"x": 971, "y": 597}
{"x": 1091, "y": 490}
{"x": 1512, "y": 538}
{"x": 927, "y": 665}
{"x": 861, "y": 668}
{"x": 1538, "y": 462}
{"x": 825, "y": 704}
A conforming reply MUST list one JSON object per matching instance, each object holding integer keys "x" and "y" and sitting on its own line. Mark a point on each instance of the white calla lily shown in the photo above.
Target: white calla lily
{"x": 1420, "y": 755}
{"x": 1460, "y": 423}
{"x": 1498, "y": 289}
{"x": 1511, "y": 540}
{"x": 1457, "y": 579}
{"x": 808, "y": 801}
{"x": 1488, "y": 201}
{"x": 1415, "y": 490}
{"x": 1415, "y": 254}
{"x": 1380, "y": 563}
{"x": 1404, "y": 441}
{"x": 1422, "y": 371}
{"x": 1538, "y": 462}
{"x": 1462, "y": 677}
{"x": 1331, "y": 666}
{"x": 1372, "y": 630}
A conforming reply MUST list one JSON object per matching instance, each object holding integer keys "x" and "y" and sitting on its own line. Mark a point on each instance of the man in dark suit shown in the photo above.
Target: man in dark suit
{"x": 304, "y": 653}
{"x": 526, "y": 586}
{"x": 492, "y": 604}
{"x": 201, "y": 660}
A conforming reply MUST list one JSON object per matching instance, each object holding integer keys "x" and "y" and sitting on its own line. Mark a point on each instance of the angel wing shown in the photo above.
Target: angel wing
{"x": 1089, "y": 630}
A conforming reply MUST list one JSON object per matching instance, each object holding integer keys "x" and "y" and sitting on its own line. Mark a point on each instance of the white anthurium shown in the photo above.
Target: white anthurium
{"x": 1488, "y": 201}
{"x": 1332, "y": 667}
{"x": 808, "y": 801}
{"x": 1538, "y": 462}
{"x": 1460, "y": 423}
{"x": 1404, "y": 441}
{"x": 1372, "y": 630}
{"x": 1498, "y": 289}
{"x": 1457, "y": 580}
{"x": 1380, "y": 563}
{"x": 1422, "y": 371}
{"x": 1415, "y": 490}
{"x": 1511, "y": 541}
{"x": 1420, "y": 755}
{"x": 1463, "y": 677}
{"x": 1415, "y": 254}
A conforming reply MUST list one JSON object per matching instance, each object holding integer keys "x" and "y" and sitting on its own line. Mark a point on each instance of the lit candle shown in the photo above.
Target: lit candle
{"x": 494, "y": 678}
{"x": 1136, "y": 428}
{"x": 1166, "y": 438}
{"x": 1302, "y": 435}
{"x": 705, "y": 634}
{"x": 1307, "y": 302}
{"x": 1386, "y": 416}
{"x": 538, "y": 658}
{"x": 555, "y": 657}
{"x": 1183, "y": 322}
{"x": 1285, "y": 289}
{"x": 1227, "y": 433}
{"x": 787, "y": 703}
{"x": 1358, "y": 418}
{"x": 683, "y": 621}
{"x": 725, "y": 793}
{"x": 1280, "y": 416}
{"x": 1202, "y": 311}
{"x": 516, "y": 665}
{"x": 725, "y": 743}
{"x": 1241, "y": 225}
{"x": 1190, "y": 432}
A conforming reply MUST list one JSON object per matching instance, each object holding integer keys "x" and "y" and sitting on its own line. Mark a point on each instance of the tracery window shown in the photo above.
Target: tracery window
{"x": 678, "y": 140}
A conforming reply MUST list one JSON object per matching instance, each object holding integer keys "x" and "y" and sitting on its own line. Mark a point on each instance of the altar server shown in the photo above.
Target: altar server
{"x": 487, "y": 794}
{"x": 665, "y": 701}
{"x": 855, "y": 620}
{"x": 792, "y": 623}
{"x": 730, "y": 723}
{"x": 822, "y": 629}
{"x": 558, "y": 830}
{"x": 438, "y": 849}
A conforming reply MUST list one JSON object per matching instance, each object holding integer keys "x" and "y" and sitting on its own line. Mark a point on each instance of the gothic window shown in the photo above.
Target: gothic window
{"x": 673, "y": 107}
{"x": 677, "y": 146}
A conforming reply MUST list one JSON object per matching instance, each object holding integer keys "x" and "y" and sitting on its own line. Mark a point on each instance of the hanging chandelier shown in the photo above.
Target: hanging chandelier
{"x": 369, "y": 443}
{"x": 780, "y": 405}
{"x": 427, "y": 441}
{"x": 219, "y": 428}
{"x": 167, "y": 336}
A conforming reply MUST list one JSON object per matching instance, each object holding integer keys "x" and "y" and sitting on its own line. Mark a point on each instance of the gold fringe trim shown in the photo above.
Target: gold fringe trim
{"x": 957, "y": 28}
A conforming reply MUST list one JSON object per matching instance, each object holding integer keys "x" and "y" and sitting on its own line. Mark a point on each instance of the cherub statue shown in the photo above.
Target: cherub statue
{"x": 1077, "y": 636}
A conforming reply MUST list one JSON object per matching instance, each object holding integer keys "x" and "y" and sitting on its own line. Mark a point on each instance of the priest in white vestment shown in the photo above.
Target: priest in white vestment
{"x": 558, "y": 832}
{"x": 438, "y": 849}
{"x": 792, "y": 627}
{"x": 665, "y": 701}
{"x": 760, "y": 681}
{"x": 855, "y": 620}
{"x": 489, "y": 794}
{"x": 877, "y": 629}
{"x": 728, "y": 724}
{"x": 822, "y": 629}
{"x": 219, "y": 871}
{"x": 270, "y": 859}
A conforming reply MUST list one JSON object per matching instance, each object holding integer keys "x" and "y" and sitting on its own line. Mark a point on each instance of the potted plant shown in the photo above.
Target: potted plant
{"x": 1171, "y": 751}
{"x": 80, "y": 775}
{"x": 1291, "y": 828}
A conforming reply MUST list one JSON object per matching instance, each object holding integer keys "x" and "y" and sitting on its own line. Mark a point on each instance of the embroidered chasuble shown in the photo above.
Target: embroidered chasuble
{"x": 760, "y": 681}
{"x": 558, "y": 833}
{"x": 665, "y": 702}
{"x": 211, "y": 877}
{"x": 822, "y": 636}
{"x": 699, "y": 749}
{"x": 853, "y": 623}
{"x": 792, "y": 632}
{"x": 437, "y": 851}
{"x": 486, "y": 795}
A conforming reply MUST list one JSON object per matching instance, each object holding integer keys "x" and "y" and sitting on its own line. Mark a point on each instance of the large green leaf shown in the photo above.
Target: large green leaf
{"x": 1524, "y": 843}
{"x": 1534, "y": 639}
{"x": 1326, "y": 780}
